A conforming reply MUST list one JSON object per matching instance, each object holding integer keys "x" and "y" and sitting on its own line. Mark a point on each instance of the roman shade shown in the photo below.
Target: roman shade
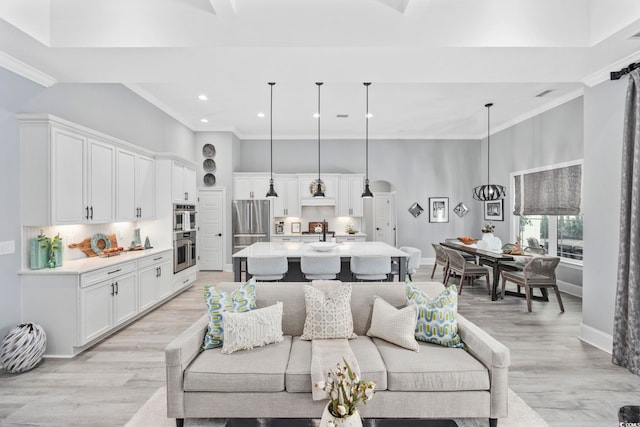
{"x": 554, "y": 191}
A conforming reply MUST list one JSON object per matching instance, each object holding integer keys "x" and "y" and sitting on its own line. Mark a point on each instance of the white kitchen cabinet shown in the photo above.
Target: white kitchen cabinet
{"x": 288, "y": 201}
{"x": 250, "y": 186}
{"x": 154, "y": 279}
{"x": 351, "y": 238}
{"x": 309, "y": 238}
{"x": 183, "y": 183}
{"x": 285, "y": 238}
{"x": 101, "y": 197}
{"x": 134, "y": 186}
{"x": 306, "y": 191}
{"x": 106, "y": 304}
{"x": 350, "y": 196}
{"x": 67, "y": 196}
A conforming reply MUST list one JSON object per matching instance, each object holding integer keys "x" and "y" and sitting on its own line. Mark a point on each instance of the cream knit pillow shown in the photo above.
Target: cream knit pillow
{"x": 393, "y": 325}
{"x": 328, "y": 307}
{"x": 255, "y": 328}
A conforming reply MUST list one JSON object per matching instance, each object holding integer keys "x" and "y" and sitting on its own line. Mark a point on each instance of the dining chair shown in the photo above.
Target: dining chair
{"x": 267, "y": 268}
{"x": 468, "y": 257}
{"x": 540, "y": 272}
{"x": 465, "y": 269}
{"x": 320, "y": 267}
{"x": 517, "y": 266}
{"x": 370, "y": 267}
{"x": 441, "y": 259}
{"x": 414, "y": 256}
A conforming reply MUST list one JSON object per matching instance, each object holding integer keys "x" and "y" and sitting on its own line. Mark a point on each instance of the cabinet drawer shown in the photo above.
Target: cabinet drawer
{"x": 155, "y": 259}
{"x": 107, "y": 273}
{"x": 285, "y": 238}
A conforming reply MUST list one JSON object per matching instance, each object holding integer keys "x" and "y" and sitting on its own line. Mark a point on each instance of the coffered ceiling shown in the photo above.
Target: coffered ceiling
{"x": 433, "y": 64}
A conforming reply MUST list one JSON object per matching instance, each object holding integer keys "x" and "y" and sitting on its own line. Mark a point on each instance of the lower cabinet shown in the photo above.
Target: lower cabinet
{"x": 78, "y": 309}
{"x": 107, "y": 304}
{"x": 350, "y": 238}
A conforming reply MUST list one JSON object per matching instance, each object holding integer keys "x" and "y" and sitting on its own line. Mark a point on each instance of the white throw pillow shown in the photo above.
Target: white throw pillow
{"x": 255, "y": 328}
{"x": 393, "y": 325}
{"x": 328, "y": 307}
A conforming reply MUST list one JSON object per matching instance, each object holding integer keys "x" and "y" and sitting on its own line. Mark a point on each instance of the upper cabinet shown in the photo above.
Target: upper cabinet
{"x": 288, "y": 201}
{"x": 134, "y": 202}
{"x": 73, "y": 175}
{"x": 68, "y": 177}
{"x": 250, "y": 186}
{"x": 183, "y": 183}
{"x": 350, "y": 196}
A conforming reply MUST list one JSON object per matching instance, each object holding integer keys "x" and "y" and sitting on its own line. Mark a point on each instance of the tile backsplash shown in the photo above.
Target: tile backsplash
{"x": 319, "y": 213}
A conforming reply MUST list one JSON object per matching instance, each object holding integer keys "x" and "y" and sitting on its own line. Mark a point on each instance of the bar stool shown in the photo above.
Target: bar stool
{"x": 414, "y": 256}
{"x": 267, "y": 268}
{"x": 370, "y": 267}
{"x": 320, "y": 267}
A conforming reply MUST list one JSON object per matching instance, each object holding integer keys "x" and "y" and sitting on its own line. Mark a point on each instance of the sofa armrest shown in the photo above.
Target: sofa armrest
{"x": 178, "y": 355}
{"x": 491, "y": 352}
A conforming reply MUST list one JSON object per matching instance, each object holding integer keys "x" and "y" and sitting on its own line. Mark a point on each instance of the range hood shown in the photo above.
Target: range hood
{"x": 319, "y": 201}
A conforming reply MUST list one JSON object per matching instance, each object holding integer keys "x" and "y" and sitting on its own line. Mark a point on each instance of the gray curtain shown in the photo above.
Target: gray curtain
{"x": 626, "y": 328}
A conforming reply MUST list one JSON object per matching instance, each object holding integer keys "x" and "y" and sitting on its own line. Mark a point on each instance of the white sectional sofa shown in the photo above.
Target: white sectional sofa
{"x": 275, "y": 381}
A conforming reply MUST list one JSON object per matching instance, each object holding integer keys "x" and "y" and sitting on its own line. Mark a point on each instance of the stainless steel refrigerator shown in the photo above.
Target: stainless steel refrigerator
{"x": 250, "y": 223}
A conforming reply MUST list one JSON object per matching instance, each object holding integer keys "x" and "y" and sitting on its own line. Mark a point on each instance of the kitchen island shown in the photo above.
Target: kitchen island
{"x": 294, "y": 250}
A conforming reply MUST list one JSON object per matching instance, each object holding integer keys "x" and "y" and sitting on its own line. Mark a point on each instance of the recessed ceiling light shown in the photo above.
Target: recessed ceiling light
{"x": 543, "y": 93}
{"x": 202, "y": 97}
{"x": 261, "y": 115}
{"x": 316, "y": 115}
{"x": 204, "y": 120}
{"x": 369, "y": 115}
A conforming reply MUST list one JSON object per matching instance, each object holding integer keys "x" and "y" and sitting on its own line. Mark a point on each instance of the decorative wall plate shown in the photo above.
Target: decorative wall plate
{"x": 100, "y": 242}
{"x": 461, "y": 209}
{"x": 314, "y": 185}
{"x": 209, "y": 165}
{"x": 209, "y": 179}
{"x": 208, "y": 150}
{"x": 415, "y": 210}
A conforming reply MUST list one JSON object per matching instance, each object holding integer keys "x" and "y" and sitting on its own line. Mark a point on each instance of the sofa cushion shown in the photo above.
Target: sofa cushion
{"x": 261, "y": 369}
{"x": 328, "y": 305}
{"x": 254, "y": 328}
{"x": 394, "y": 325}
{"x": 433, "y": 368}
{"x": 298, "y": 375}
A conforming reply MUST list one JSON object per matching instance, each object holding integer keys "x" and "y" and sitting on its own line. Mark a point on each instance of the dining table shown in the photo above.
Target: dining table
{"x": 495, "y": 259}
{"x": 294, "y": 251}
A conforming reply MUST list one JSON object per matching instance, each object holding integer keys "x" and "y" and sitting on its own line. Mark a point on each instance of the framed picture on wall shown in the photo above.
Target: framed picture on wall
{"x": 438, "y": 209}
{"x": 295, "y": 227}
{"x": 494, "y": 210}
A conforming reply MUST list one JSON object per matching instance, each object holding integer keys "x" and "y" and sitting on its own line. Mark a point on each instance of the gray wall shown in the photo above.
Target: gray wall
{"x": 417, "y": 170}
{"x": 109, "y": 108}
{"x": 604, "y": 118}
{"x": 554, "y": 136}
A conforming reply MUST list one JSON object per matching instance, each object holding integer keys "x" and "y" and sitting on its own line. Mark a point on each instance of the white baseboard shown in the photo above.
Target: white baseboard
{"x": 427, "y": 261}
{"x": 570, "y": 288}
{"x": 596, "y": 338}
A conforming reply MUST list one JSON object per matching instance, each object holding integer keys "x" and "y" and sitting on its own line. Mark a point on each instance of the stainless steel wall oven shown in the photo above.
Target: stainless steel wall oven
{"x": 184, "y": 250}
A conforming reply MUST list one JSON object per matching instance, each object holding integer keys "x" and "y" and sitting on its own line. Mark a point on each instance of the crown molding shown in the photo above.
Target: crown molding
{"x": 25, "y": 70}
{"x": 159, "y": 104}
{"x": 604, "y": 73}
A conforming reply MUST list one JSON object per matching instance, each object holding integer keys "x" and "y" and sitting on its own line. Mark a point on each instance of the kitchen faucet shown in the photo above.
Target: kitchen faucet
{"x": 324, "y": 230}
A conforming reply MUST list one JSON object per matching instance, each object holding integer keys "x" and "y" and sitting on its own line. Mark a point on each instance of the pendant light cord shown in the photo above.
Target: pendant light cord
{"x": 367, "y": 136}
{"x": 488, "y": 139}
{"x": 271, "y": 127}
{"x": 319, "y": 84}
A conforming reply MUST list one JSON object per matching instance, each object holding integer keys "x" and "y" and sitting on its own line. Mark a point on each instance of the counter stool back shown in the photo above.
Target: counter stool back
{"x": 267, "y": 268}
{"x": 320, "y": 267}
{"x": 370, "y": 267}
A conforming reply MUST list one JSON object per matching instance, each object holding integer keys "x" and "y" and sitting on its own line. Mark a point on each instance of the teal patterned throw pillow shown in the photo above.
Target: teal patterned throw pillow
{"x": 436, "y": 317}
{"x": 219, "y": 302}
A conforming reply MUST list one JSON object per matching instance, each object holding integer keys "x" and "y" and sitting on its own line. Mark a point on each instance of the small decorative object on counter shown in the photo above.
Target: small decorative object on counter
{"x": 147, "y": 243}
{"x": 22, "y": 348}
{"x": 351, "y": 229}
{"x": 55, "y": 252}
{"x": 345, "y": 391}
{"x": 39, "y": 253}
{"x": 136, "y": 238}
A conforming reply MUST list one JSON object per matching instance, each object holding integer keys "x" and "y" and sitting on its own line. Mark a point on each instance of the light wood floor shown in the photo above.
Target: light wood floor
{"x": 568, "y": 382}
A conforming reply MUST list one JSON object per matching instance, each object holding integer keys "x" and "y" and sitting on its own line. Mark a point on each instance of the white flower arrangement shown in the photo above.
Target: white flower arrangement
{"x": 488, "y": 228}
{"x": 345, "y": 390}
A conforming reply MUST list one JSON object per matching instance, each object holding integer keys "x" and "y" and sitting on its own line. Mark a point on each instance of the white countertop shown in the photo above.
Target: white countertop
{"x": 84, "y": 265}
{"x": 297, "y": 249}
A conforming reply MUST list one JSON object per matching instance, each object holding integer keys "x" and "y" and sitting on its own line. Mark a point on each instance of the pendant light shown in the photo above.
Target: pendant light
{"x": 318, "y": 193}
{"x": 367, "y": 194}
{"x": 272, "y": 192}
{"x": 488, "y": 192}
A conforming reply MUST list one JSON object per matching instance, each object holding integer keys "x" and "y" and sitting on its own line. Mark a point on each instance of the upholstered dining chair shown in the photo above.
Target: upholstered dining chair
{"x": 267, "y": 268}
{"x": 370, "y": 267}
{"x": 465, "y": 269}
{"x": 540, "y": 272}
{"x": 468, "y": 257}
{"x": 414, "y": 256}
{"x": 441, "y": 259}
{"x": 320, "y": 267}
{"x": 517, "y": 266}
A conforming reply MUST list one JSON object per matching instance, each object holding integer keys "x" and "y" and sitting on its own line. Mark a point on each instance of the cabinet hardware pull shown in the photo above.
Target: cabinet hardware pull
{"x": 112, "y": 290}
{"x": 186, "y": 196}
{"x": 116, "y": 288}
{"x": 87, "y": 214}
{"x": 185, "y": 280}
{"x": 157, "y": 259}
{"x": 91, "y": 212}
{"x": 159, "y": 271}
{"x": 114, "y": 271}
{"x": 140, "y": 212}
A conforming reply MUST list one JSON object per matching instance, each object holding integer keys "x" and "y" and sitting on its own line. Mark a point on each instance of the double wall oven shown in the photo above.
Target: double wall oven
{"x": 184, "y": 237}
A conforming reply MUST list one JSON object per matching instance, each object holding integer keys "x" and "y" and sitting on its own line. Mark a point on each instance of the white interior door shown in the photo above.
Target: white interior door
{"x": 384, "y": 218}
{"x": 211, "y": 238}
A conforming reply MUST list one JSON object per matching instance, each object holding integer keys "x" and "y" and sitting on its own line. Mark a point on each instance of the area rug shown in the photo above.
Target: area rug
{"x": 154, "y": 413}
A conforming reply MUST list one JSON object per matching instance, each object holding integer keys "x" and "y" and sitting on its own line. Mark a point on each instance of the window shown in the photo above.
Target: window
{"x": 558, "y": 235}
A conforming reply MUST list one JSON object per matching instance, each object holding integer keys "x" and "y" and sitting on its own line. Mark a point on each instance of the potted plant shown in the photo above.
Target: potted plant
{"x": 351, "y": 229}
{"x": 346, "y": 391}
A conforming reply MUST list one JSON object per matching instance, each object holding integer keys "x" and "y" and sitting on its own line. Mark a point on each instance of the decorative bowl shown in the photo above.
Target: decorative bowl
{"x": 322, "y": 246}
{"x": 467, "y": 240}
